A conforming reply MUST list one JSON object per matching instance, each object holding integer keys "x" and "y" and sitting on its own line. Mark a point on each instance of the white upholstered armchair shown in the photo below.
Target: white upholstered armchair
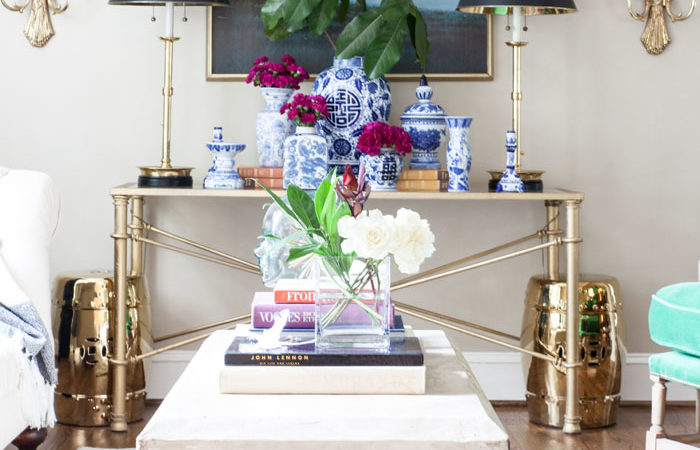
{"x": 29, "y": 210}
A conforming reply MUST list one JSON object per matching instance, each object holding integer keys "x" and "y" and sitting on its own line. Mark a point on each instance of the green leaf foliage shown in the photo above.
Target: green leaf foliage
{"x": 385, "y": 51}
{"x": 320, "y": 199}
{"x": 359, "y": 34}
{"x": 343, "y": 10}
{"x": 321, "y": 18}
{"x": 303, "y": 206}
{"x": 296, "y": 12}
{"x": 272, "y": 11}
{"x": 418, "y": 30}
{"x": 299, "y": 252}
{"x": 279, "y": 202}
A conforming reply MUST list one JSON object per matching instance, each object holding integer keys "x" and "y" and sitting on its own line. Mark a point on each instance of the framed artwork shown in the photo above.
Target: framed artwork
{"x": 461, "y": 44}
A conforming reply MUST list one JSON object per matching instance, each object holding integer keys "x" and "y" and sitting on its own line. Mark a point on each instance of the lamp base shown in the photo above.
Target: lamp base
{"x": 532, "y": 180}
{"x": 170, "y": 177}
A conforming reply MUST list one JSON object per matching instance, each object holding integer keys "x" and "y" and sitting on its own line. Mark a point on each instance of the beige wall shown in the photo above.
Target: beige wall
{"x": 600, "y": 115}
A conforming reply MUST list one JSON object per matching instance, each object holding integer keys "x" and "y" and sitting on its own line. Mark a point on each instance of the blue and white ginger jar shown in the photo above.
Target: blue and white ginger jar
{"x": 382, "y": 171}
{"x": 425, "y": 122}
{"x": 223, "y": 173}
{"x": 305, "y": 159}
{"x": 353, "y": 101}
{"x": 459, "y": 153}
{"x": 272, "y": 128}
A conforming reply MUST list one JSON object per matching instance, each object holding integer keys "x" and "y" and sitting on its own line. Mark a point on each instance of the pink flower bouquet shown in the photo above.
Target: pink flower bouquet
{"x": 305, "y": 110}
{"x": 287, "y": 74}
{"x": 376, "y": 135}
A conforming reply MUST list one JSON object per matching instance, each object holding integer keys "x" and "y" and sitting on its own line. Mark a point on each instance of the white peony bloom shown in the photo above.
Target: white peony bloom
{"x": 412, "y": 240}
{"x": 369, "y": 234}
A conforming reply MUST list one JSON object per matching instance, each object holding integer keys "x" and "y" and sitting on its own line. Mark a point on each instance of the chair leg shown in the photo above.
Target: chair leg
{"x": 658, "y": 410}
{"x": 30, "y": 439}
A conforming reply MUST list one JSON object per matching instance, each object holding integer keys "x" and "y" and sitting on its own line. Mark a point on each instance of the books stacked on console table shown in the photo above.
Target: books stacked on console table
{"x": 253, "y": 367}
{"x": 271, "y": 177}
{"x": 424, "y": 180}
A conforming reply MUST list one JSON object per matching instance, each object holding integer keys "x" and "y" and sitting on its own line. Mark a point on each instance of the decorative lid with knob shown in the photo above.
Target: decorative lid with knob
{"x": 424, "y": 109}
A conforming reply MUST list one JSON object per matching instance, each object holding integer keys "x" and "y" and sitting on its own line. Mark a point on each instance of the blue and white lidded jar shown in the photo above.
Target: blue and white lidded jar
{"x": 459, "y": 153}
{"x": 425, "y": 122}
{"x": 382, "y": 171}
{"x": 223, "y": 173}
{"x": 510, "y": 180}
{"x": 353, "y": 101}
{"x": 305, "y": 158}
{"x": 272, "y": 127}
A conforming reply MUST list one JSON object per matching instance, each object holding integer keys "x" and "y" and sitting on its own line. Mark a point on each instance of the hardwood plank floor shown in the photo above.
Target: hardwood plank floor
{"x": 628, "y": 434}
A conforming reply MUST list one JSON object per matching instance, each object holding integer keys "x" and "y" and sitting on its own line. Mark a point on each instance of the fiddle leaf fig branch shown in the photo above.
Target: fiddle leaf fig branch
{"x": 378, "y": 33}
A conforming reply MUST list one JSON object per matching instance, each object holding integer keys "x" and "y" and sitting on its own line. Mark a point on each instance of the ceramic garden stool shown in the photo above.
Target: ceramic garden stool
{"x": 674, "y": 322}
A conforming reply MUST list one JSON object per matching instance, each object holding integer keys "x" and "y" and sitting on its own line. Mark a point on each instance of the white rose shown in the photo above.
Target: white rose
{"x": 369, "y": 234}
{"x": 412, "y": 240}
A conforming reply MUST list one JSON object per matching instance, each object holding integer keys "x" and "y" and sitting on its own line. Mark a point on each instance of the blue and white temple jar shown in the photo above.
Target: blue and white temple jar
{"x": 353, "y": 101}
{"x": 459, "y": 153}
{"x": 425, "y": 122}
{"x": 272, "y": 128}
{"x": 382, "y": 171}
{"x": 223, "y": 173}
{"x": 305, "y": 159}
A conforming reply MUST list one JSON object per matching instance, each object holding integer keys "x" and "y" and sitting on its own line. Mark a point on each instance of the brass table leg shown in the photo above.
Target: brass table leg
{"x": 552, "y": 207}
{"x": 136, "y": 232}
{"x": 118, "y": 363}
{"x": 572, "y": 419}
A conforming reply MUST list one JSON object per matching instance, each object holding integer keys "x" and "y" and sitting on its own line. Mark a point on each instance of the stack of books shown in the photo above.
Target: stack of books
{"x": 296, "y": 366}
{"x": 271, "y": 177}
{"x": 425, "y": 180}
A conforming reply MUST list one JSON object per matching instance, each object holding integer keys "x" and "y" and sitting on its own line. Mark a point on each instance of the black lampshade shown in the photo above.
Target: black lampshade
{"x": 177, "y": 2}
{"x": 528, "y": 7}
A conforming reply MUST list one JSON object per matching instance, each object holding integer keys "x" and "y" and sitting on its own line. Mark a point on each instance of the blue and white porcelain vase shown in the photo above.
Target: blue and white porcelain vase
{"x": 272, "y": 128}
{"x": 353, "y": 101}
{"x": 425, "y": 122}
{"x": 223, "y": 173}
{"x": 510, "y": 180}
{"x": 382, "y": 171}
{"x": 305, "y": 158}
{"x": 459, "y": 153}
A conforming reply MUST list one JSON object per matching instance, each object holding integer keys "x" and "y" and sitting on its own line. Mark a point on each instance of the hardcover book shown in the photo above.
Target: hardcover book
{"x": 425, "y": 174}
{"x": 294, "y": 290}
{"x": 245, "y": 351}
{"x": 261, "y": 172}
{"x": 264, "y": 310}
{"x": 423, "y": 185}
{"x": 272, "y": 183}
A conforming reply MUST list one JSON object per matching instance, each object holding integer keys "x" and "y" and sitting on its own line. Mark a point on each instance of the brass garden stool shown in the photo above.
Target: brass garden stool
{"x": 83, "y": 327}
{"x": 599, "y": 333}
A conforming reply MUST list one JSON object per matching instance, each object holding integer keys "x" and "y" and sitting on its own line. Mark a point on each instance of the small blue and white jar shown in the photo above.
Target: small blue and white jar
{"x": 353, "y": 101}
{"x": 272, "y": 127}
{"x": 305, "y": 159}
{"x": 425, "y": 122}
{"x": 223, "y": 173}
{"x": 459, "y": 153}
{"x": 382, "y": 171}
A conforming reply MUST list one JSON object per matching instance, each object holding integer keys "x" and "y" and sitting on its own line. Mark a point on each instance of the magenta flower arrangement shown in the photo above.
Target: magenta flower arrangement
{"x": 376, "y": 135}
{"x": 287, "y": 74}
{"x": 305, "y": 110}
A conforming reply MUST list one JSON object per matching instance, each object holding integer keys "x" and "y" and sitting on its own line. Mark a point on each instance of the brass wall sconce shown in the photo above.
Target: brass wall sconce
{"x": 39, "y": 29}
{"x": 655, "y": 37}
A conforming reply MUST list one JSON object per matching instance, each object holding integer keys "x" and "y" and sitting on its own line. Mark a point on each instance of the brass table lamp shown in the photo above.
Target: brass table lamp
{"x": 166, "y": 175}
{"x": 532, "y": 179}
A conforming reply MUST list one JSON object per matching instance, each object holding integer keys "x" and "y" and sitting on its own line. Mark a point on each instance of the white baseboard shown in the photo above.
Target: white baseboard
{"x": 500, "y": 375}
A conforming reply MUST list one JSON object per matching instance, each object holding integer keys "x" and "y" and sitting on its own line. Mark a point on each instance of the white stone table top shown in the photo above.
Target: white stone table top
{"x": 452, "y": 414}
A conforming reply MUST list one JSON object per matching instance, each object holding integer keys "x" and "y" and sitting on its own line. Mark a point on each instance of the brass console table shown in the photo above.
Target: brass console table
{"x": 130, "y": 229}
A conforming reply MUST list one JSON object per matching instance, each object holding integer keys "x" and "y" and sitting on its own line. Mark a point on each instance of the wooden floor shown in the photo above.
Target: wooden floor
{"x": 628, "y": 434}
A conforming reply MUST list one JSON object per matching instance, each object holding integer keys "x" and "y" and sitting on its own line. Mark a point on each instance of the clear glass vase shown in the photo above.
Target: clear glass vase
{"x": 352, "y": 303}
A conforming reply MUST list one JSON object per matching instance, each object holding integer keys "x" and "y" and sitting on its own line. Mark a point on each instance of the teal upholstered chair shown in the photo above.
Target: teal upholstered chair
{"x": 674, "y": 322}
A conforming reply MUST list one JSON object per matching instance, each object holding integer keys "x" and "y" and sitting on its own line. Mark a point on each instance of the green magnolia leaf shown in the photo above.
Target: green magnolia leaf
{"x": 385, "y": 51}
{"x": 299, "y": 252}
{"x": 320, "y": 198}
{"x": 321, "y": 18}
{"x": 341, "y": 210}
{"x": 303, "y": 206}
{"x": 272, "y": 11}
{"x": 419, "y": 35}
{"x": 297, "y": 11}
{"x": 279, "y": 202}
{"x": 280, "y": 31}
{"x": 343, "y": 11}
{"x": 393, "y": 10}
{"x": 359, "y": 34}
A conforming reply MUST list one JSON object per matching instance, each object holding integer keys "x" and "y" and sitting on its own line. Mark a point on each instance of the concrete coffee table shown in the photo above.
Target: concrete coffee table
{"x": 452, "y": 414}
